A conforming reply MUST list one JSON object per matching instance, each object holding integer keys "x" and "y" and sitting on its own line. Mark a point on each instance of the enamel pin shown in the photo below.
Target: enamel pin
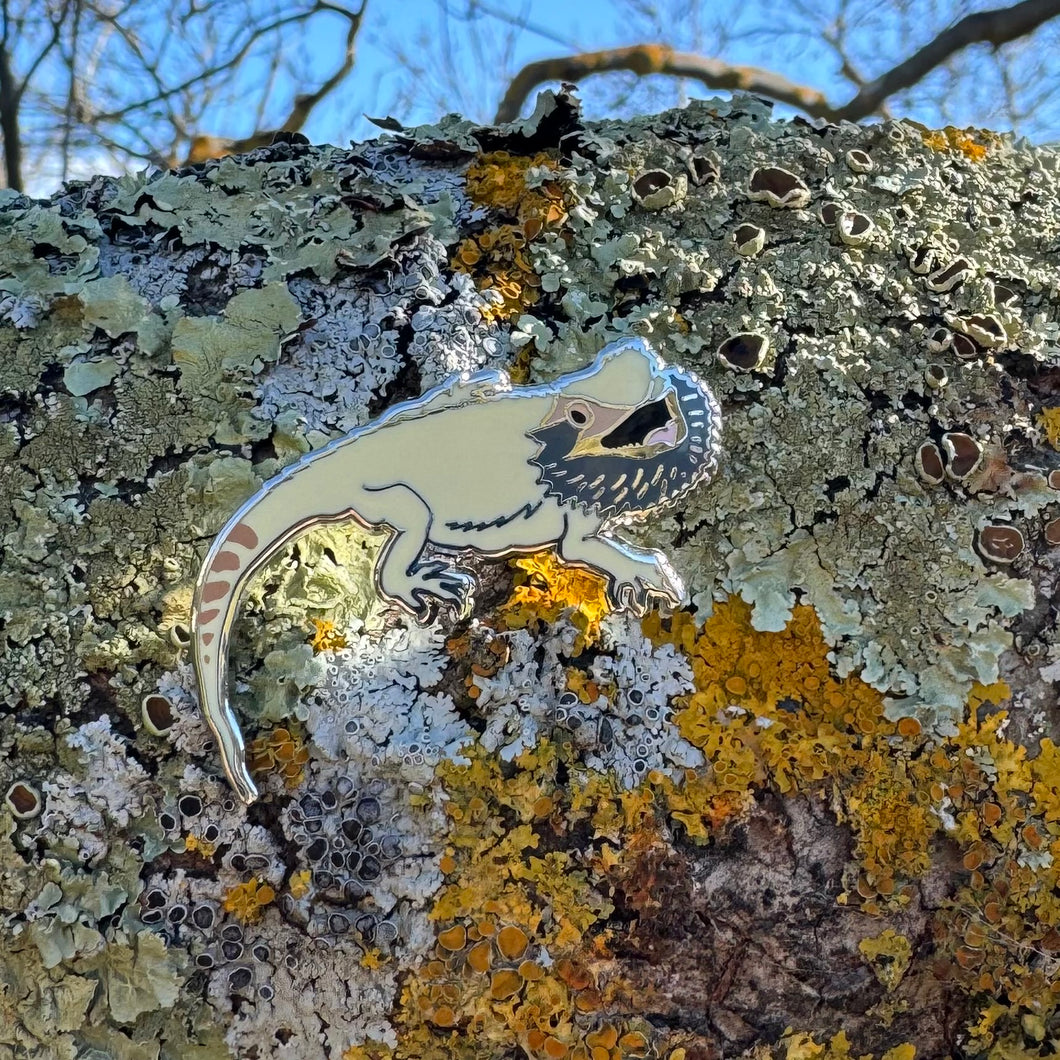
{"x": 476, "y": 465}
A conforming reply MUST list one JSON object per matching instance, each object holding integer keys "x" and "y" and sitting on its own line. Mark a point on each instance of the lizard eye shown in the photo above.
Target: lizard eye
{"x": 579, "y": 415}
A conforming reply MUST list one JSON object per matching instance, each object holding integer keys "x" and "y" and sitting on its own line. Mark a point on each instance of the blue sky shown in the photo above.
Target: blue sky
{"x": 877, "y": 39}
{"x": 587, "y": 25}
{"x": 377, "y": 79}
{"x": 415, "y": 63}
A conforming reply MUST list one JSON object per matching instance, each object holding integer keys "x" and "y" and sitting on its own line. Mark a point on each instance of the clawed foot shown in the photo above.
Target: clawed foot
{"x": 447, "y": 585}
{"x": 635, "y": 587}
{"x": 433, "y": 583}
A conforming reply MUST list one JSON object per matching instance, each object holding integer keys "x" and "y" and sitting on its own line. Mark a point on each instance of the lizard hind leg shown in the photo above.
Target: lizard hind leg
{"x": 401, "y": 574}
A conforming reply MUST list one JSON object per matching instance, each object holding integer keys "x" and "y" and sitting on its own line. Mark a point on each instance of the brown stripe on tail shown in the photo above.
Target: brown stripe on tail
{"x": 241, "y": 534}
{"x": 265, "y": 523}
{"x": 215, "y": 591}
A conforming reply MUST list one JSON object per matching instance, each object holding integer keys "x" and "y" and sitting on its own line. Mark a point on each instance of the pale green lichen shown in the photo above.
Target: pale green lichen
{"x": 111, "y": 304}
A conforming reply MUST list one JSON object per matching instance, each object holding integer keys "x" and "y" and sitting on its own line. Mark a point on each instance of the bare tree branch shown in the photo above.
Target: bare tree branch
{"x": 73, "y": 89}
{"x": 995, "y": 27}
{"x": 644, "y": 59}
{"x": 154, "y": 78}
{"x": 304, "y": 104}
{"x": 206, "y": 146}
{"x": 56, "y": 21}
{"x": 204, "y": 75}
{"x": 518, "y": 21}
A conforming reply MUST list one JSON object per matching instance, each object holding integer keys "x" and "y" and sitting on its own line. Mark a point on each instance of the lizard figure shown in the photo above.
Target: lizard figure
{"x": 476, "y": 465}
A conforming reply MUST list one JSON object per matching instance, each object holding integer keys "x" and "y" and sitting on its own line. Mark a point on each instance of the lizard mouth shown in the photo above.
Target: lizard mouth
{"x": 651, "y": 428}
{"x": 645, "y": 456}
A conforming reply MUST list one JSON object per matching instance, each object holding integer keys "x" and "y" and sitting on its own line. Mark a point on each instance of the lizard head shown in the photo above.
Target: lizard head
{"x": 628, "y": 434}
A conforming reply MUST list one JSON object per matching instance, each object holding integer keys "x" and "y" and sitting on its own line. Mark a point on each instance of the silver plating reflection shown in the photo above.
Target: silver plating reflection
{"x": 476, "y": 466}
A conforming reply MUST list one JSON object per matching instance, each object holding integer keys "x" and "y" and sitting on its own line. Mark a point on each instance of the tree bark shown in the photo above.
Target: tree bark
{"x": 814, "y": 813}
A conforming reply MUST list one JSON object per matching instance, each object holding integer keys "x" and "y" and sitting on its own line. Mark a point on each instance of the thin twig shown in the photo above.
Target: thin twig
{"x": 226, "y": 64}
{"x": 305, "y": 103}
{"x": 57, "y": 26}
{"x": 204, "y": 146}
{"x": 70, "y": 112}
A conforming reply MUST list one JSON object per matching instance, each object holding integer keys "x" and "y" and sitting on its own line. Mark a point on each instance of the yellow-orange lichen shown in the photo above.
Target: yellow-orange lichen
{"x": 546, "y": 589}
{"x": 326, "y": 637}
{"x": 767, "y": 711}
{"x": 587, "y": 688}
{"x": 498, "y": 258}
{"x": 195, "y": 844}
{"x": 499, "y": 263}
{"x": 281, "y": 750}
{"x": 299, "y": 883}
{"x": 968, "y": 142}
{"x": 800, "y": 1045}
{"x": 498, "y": 179}
{"x": 889, "y": 954}
{"x": 247, "y": 901}
{"x": 369, "y": 1051}
{"x": 514, "y": 948}
{"x": 1049, "y": 421}
{"x": 1002, "y": 927}
{"x": 483, "y": 653}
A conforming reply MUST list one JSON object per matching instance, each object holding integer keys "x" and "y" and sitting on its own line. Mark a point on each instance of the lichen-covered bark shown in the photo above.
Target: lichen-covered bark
{"x": 817, "y": 814}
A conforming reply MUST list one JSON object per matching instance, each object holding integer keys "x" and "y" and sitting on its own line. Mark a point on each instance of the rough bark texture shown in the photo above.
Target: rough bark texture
{"x": 815, "y": 815}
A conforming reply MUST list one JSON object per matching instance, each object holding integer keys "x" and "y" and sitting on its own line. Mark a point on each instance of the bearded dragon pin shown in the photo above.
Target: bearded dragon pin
{"x": 476, "y": 465}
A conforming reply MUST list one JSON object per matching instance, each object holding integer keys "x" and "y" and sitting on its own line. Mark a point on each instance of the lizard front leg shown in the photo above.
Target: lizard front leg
{"x": 400, "y": 574}
{"x": 634, "y": 574}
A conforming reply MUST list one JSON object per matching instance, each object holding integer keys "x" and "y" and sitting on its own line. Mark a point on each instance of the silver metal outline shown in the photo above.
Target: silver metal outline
{"x": 624, "y": 370}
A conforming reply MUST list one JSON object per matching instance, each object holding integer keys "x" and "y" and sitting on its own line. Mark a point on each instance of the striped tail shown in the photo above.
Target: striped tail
{"x": 285, "y": 507}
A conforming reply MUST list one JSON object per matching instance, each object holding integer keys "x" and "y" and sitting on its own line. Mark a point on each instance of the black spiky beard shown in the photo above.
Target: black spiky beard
{"x": 665, "y": 477}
